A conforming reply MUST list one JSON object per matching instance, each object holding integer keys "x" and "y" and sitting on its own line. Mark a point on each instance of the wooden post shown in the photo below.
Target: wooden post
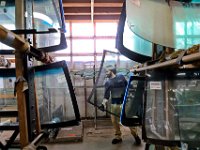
{"x": 19, "y": 62}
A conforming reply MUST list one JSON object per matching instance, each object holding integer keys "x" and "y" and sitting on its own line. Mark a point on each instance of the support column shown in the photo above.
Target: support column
{"x": 20, "y": 67}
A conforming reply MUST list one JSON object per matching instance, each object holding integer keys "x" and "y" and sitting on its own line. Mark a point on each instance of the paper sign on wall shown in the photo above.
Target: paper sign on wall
{"x": 1, "y": 83}
{"x": 155, "y": 85}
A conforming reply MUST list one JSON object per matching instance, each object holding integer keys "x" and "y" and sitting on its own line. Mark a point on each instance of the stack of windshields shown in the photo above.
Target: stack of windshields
{"x": 45, "y": 20}
{"x": 133, "y": 106}
{"x": 8, "y": 100}
{"x": 123, "y": 66}
{"x": 186, "y": 89}
{"x": 168, "y": 23}
{"x": 172, "y": 107}
{"x": 56, "y": 98}
{"x": 54, "y": 92}
{"x": 130, "y": 44}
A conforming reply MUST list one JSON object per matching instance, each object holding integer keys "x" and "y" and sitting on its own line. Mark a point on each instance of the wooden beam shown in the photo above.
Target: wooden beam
{"x": 96, "y": 1}
{"x": 88, "y": 17}
{"x": 20, "y": 72}
{"x": 66, "y": 14}
{"x": 77, "y": 10}
{"x": 83, "y": 10}
{"x": 75, "y": 1}
{"x": 108, "y": 10}
{"x": 7, "y": 96}
{"x": 95, "y": 4}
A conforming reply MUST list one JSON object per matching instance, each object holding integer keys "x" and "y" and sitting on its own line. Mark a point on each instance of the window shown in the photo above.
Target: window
{"x": 106, "y": 29}
{"x": 82, "y": 29}
{"x": 82, "y": 46}
{"x": 105, "y": 44}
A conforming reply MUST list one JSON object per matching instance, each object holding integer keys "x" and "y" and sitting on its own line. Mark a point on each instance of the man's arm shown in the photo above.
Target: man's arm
{"x": 106, "y": 96}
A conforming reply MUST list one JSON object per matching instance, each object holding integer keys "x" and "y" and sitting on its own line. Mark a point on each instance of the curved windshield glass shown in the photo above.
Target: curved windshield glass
{"x": 171, "y": 24}
{"x": 44, "y": 18}
{"x": 54, "y": 91}
{"x": 136, "y": 43}
{"x": 130, "y": 44}
{"x": 46, "y": 14}
{"x": 123, "y": 66}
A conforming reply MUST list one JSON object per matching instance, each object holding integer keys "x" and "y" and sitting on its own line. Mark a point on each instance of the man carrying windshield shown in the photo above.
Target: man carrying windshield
{"x": 115, "y": 86}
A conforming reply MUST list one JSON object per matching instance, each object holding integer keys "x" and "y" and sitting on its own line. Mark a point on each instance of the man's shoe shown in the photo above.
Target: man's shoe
{"x": 115, "y": 141}
{"x": 137, "y": 140}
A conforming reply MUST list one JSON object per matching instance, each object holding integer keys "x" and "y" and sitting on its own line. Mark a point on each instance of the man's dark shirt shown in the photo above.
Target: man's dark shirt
{"x": 116, "y": 87}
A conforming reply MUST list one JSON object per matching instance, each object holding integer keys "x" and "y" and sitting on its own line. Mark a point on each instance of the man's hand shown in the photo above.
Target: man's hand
{"x": 102, "y": 107}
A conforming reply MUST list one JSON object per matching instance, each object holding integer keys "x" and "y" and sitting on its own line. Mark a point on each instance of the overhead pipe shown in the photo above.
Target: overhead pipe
{"x": 185, "y": 60}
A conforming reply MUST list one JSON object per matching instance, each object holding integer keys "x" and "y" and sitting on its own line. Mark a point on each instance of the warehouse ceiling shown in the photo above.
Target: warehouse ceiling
{"x": 94, "y": 10}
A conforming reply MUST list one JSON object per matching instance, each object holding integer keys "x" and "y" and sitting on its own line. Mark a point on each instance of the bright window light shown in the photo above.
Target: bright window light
{"x": 43, "y": 17}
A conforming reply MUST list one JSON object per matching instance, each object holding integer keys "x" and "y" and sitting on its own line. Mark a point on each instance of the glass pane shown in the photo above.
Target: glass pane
{"x": 7, "y": 97}
{"x": 82, "y": 46}
{"x": 106, "y": 29}
{"x": 7, "y": 14}
{"x": 58, "y": 58}
{"x": 53, "y": 96}
{"x": 173, "y": 106}
{"x": 132, "y": 109}
{"x": 180, "y": 42}
{"x": 83, "y": 58}
{"x": 196, "y": 28}
{"x": 47, "y": 14}
{"x": 8, "y": 101}
{"x": 67, "y": 50}
{"x": 168, "y": 21}
{"x": 180, "y": 28}
{"x": 114, "y": 59}
{"x": 82, "y": 29}
{"x": 67, "y": 27}
{"x": 161, "y": 117}
{"x": 134, "y": 100}
{"x": 104, "y": 44}
{"x": 136, "y": 43}
{"x": 46, "y": 40}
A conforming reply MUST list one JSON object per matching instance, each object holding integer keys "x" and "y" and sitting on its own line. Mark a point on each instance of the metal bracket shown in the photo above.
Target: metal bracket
{"x": 179, "y": 59}
{"x": 18, "y": 80}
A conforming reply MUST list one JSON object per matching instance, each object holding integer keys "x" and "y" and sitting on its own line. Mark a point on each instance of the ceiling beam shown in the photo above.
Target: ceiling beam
{"x": 106, "y": 13}
{"x": 88, "y": 17}
{"x": 95, "y": 4}
{"x": 96, "y": 1}
{"x": 88, "y": 10}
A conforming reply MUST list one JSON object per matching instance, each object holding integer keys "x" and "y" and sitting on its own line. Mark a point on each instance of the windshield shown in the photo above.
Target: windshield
{"x": 172, "y": 24}
{"x": 44, "y": 18}
{"x": 46, "y": 14}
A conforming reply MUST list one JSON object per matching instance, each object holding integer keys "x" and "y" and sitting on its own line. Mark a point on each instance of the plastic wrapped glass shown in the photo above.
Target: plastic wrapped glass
{"x": 172, "y": 106}
{"x": 171, "y": 24}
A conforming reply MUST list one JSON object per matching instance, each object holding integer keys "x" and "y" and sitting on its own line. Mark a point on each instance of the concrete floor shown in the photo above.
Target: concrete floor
{"x": 99, "y": 139}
